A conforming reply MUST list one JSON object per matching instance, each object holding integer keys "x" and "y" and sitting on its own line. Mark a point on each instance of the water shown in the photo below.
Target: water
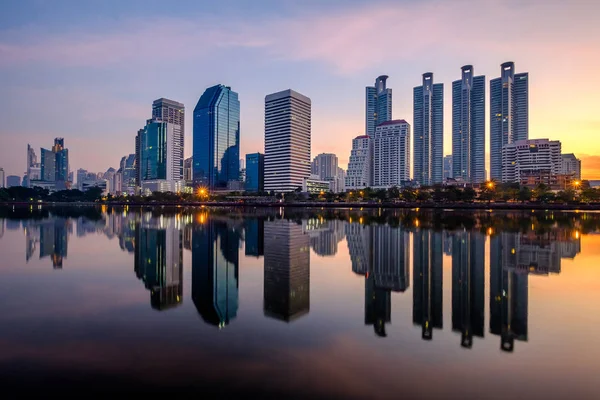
{"x": 300, "y": 303}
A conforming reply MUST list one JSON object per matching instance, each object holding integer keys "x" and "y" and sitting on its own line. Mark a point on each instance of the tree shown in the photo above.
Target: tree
{"x": 93, "y": 194}
{"x": 524, "y": 194}
{"x": 394, "y": 193}
{"x": 423, "y": 195}
{"x": 469, "y": 195}
{"x": 566, "y": 196}
{"x": 409, "y": 195}
{"x": 543, "y": 193}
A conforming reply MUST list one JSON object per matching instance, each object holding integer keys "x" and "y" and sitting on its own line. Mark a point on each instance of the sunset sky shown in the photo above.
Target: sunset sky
{"x": 89, "y": 71}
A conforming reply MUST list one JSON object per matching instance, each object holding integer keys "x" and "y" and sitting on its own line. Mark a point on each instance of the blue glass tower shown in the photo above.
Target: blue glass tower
{"x": 216, "y": 148}
{"x": 153, "y": 151}
{"x": 255, "y": 172}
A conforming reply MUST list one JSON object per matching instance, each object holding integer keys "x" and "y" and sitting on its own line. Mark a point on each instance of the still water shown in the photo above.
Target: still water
{"x": 292, "y": 303}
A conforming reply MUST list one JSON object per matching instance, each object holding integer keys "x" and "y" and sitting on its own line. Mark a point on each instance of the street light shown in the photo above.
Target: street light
{"x": 576, "y": 184}
{"x": 490, "y": 185}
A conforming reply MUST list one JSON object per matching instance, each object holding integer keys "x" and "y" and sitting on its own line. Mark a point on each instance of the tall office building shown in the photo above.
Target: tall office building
{"x": 128, "y": 171}
{"x": 325, "y": 166}
{"x": 360, "y": 163}
{"x": 378, "y": 104}
{"x": 468, "y": 127}
{"x": 174, "y": 113}
{"x": 571, "y": 165}
{"x": 33, "y": 171}
{"x": 48, "y": 165}
{"x": 287, "y": 270}
{"x": 2, "y": 185}
{"x": 509, "y": 113}
{"x": 287, "y": 140}
{"x": 531, "y": 156}
{"x": 255, "y": 172}
{"x": 138, "y": 157}
{"x": 215, "y": 271}
{"x": 468, "y": 285}
{"x": 428, "y": 280}
{"x": 447, "y": 167}
{"x": 216, "y": 152}
{"x": 160, "y": 169}
{"x": 428, "y": 101}
{"x": 391, "y": 154}
{"x": 62, "y": 160}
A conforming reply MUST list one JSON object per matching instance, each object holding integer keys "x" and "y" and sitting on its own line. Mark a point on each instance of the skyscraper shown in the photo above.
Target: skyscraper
{"x": 325, "y": 166}
{"x": 468, "y": 127}
{"x": 447, "y": 167}
{"x": 62, "y": 160}
{"x": 138, "y": 158}
{"x": 287, "y": 140}
{"x": 378, "y": 104}
{"x": 391, "y": 154}
{"x": 216, "y": 152}
{"x": 509, "y": 113}
{"x": 359, "y": 173}
{"x": 428, "y": 131}
{"x": 48, "y": 165}
{"x": 255, "y": 172}
{"x": 174, "y": 113}
{"x": 160, "y": 170}
{"x": 33, "y": 171}
{"x": 1, "y": 177}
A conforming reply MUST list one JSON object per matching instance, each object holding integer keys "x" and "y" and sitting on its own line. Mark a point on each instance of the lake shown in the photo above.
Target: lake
{"x": 300, "y": 303}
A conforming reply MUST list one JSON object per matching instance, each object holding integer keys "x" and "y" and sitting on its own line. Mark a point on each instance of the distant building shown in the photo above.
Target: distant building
{"x": 391, "y": 154}
{"x": 325, "y": 166}
{"x": 2, "y": 184}
{"x": 571, "y": 165}
{"x": 127, "y": 169}
{"x": 48, "y": 165}
{"x": 255, "y": 172}
{"x": 428, "y": 101}
{"x": 527, "y": 156}
{"x": 509, "y": 114}
{"x": 12, "y": 180}
{"x": 216, "y": 152}
{"x": 447, "y": 167}
{"x": 33, "y": 171}
{"x": 360, "y": 163}
{"x": 188, "y": 174}
{"x": 61, "y": 155}
{"x": 159, "y": 149}
{"x": 378, "y": 104}
{"x": 468, "y": 127}
{"x": 287, "y": 140}
{"x": 315, "y": 185}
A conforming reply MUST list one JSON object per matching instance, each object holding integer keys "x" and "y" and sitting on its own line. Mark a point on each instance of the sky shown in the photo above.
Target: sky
{"x": 89, "y": 71}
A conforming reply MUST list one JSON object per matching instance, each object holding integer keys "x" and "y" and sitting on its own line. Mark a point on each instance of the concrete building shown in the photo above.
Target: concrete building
{"x": 216, "y": 152}
{"x": 571, "y": 165}
{"x": 287, "y": 140}
{"x": 360, "y": 163}
{"x": 315, "y": 185}
{"x": 468, "y": 127}
{"x": 391, "y": 154}
{"x": 509, "y": 114}
{"x": 325, "y": 166}
{"x": 378, "y": 104}
{"x": 526, "y": 156}
{"x": 428, "y": 102}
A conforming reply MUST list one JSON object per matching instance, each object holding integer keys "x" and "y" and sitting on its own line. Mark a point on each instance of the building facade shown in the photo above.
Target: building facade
{"x": 509, "y": 113}
{"x": 391, "y": 154}
{"x": 13, "y": 180}
{"x": 173, "y": 112}
{"x": 48, "y": 165}
{"x": 360, "y": 163}
{"x": 571, "y": 165}
{"x": 255, "y": 172}
{"x": 159, "y": 150}
{"x": 287, "y": 140}
{"x": 428, "y": 102}
{"x": 468, "y": 127}
{"x": 378, "y": 104}
{"x": 216, "y": 152}
{"x": 61, "y": 155}
{"x": 523, "y": 157}
{"x": 447, "y": 167}
{"x": 2, "y": 185}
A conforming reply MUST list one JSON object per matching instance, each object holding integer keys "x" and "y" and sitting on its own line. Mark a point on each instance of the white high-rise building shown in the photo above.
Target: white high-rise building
{"x": 529, "y": 156}
{"x": 391, "y": 154}
{"x": 571, "y": 165}
{"x": 360, "y": 163}
{"x": 287, "y": 140}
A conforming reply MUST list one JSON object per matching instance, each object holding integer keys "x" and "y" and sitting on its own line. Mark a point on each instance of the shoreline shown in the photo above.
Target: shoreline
{"x": 434, "y": 206}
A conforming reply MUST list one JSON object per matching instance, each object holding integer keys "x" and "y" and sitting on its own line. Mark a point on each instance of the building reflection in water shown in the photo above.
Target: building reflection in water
{"x": 468, "y": 285}
{"x": 52, "y": 236}
{"x": 254, "y": 237}
{"x": 287, "y": 270}
{"x": 324, "y": 235}
{"x": 427, "y": 281}
{"x": 158, "y": 260}
{"x": 215, "y": 269}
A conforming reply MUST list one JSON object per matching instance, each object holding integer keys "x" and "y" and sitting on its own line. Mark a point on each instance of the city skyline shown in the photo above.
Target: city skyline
{"x": 88, "y": 65}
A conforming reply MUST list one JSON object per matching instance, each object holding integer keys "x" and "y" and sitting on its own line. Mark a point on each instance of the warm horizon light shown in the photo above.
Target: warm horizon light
{"x": 89, "y": 72}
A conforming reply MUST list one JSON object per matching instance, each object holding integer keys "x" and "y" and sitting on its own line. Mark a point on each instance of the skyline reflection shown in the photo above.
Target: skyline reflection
{"x": 379, "y": 249}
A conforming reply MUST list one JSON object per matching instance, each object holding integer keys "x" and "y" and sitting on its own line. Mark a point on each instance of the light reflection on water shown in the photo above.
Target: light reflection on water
{"x": 296, "y": 303}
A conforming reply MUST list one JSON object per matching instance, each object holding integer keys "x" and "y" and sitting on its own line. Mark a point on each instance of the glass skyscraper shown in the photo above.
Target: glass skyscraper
{"x": 216, "y": 148}
{"x": 255, "y": 171}
{"x": 509, "y": 113}
{"x": 428, "y": 131}
{"x": 378, "y": 104}
{"x": 153, "y": 149}
{"x": 48, "y": 165}
{"x": 174, "y": 113}
{"x": 468, "y": 127}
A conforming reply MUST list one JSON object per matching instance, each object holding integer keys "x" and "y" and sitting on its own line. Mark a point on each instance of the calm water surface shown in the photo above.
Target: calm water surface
{"x": 300, "y": 303}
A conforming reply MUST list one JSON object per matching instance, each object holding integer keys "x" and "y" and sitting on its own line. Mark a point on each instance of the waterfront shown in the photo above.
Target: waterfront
{"x": 301, "y": 303}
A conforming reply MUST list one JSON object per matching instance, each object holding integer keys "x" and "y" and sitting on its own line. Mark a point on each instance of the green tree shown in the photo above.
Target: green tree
{"x": 524, "y": 194}
{"x": 409, "y": 195}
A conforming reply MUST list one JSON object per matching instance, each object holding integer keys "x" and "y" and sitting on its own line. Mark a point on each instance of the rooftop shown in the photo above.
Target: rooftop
{"x": 393, "y": 122}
